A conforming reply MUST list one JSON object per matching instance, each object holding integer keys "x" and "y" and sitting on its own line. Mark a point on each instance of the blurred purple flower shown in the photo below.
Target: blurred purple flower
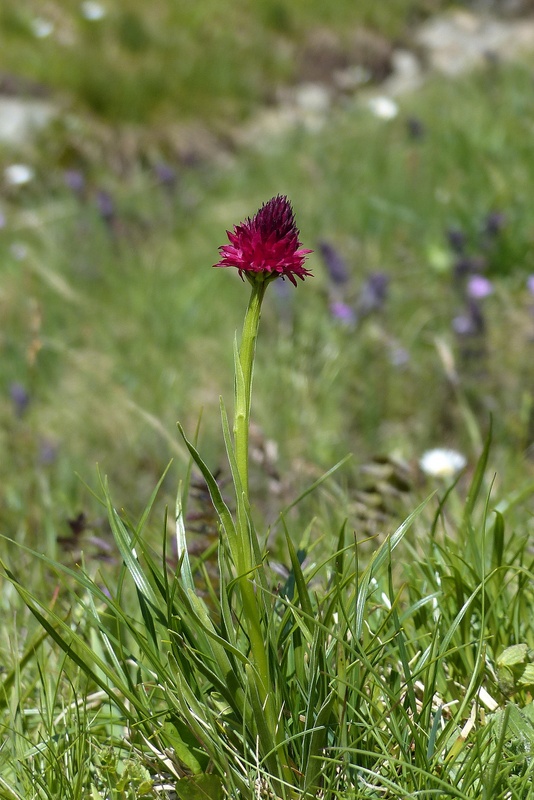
{"x": 343, "y": 312}
{"x": 494, "y": 223}
{"x": 20, "y": 398}
{"x": 47, "y": 452}
{"x": 462, "y": 325}
{"x": 166, "y": 175}
{"x": 105, "y": 205}
{"x": 92, "y": 10}
{"x": 334, "y": 263}
{"x": 2, "y": 220}
{"x": 471, "y": 322}
{"x": 101, "y": 543}
{"x": 284, "y": 300}
{"x": 456, "y": 239}
{"x": 530, "y": 284}
{"x": 479, "y": 287}
{"x": 104, "y": 589}
{"x": 416, "y": 129}
{"x": 75, "y": 181}
{"x": 398, "y": 356}
{"x": 467, "y": 265}
{"x": 373, "y": 293}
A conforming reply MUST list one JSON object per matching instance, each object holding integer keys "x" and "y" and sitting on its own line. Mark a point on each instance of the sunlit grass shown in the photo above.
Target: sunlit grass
{"x": 116, "y": 328}
{"x": 176, "y": 61}
{"x": 118, "y": 334}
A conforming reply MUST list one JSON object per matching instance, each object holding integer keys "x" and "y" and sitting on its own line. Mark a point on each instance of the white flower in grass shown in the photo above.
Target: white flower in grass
{"x": 18, "y": 174}
{"x": 383, "y": 107}
{"x": 41, "y": 28}
{"x": 19, "y": 251}
{"x": 92, "y": 11}
{"x": 442, "y": 463}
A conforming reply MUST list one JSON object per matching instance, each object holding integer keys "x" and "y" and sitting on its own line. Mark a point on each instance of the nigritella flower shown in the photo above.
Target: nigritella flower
{"x": 268, "y": 245}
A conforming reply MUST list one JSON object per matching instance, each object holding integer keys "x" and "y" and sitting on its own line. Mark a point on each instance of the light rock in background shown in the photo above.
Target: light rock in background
{"x": 20, "y": 118}
{"x": 459, "y": 41}
{"x": 407, "y": 74}
{"x": 376, "y": 76}
{"x": 312, "y": 98}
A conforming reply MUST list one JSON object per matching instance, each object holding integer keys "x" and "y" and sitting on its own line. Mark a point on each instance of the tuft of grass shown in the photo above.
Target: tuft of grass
{"x": 389, "y": 680}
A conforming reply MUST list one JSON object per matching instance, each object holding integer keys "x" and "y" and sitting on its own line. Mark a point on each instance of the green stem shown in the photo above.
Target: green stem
{"x": 243, "y": 388}
{"x": 246, "y": 562}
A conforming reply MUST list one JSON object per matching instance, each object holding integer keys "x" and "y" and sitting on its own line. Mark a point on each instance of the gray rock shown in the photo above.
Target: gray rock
{"x": 407, "y": 73}
{"x": 21, "y": 118}
{"x": 456, "y": 42}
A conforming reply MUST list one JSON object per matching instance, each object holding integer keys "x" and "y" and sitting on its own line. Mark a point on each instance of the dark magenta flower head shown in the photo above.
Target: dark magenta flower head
{"x": 268, "y": 245}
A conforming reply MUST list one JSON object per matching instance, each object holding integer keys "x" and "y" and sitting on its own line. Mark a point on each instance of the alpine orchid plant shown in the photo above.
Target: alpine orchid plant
{"x": 267, "y": 246}
{"x": 262, "y": 249}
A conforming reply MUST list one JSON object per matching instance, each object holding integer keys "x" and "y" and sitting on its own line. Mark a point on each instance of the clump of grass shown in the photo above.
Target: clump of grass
{"x": 380, "y": 687}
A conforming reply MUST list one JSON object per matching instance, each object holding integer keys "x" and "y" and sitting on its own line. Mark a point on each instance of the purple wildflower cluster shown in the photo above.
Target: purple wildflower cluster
{"x": 350, "y": 306}
{"x": 470, "y": 263}
{"x": 344, "y": 306}
{"x": 165, "y": 176}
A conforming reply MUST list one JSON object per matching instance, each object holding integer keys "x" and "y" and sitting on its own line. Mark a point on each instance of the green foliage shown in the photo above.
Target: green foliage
{"x": 377, "y": 687}
{"x": 400, "y": 664}
{"x": 178, "y": 59}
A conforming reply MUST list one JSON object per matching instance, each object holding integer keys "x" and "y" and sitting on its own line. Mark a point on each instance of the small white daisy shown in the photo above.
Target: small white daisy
{"x": 18, "y": 174}
{"x": 41, "y": 28}
{"x": 92, "y": 11}
{"x": 442, "y": 463}
{"x": 383, "y": 107}
{"x": 19, "y": 251}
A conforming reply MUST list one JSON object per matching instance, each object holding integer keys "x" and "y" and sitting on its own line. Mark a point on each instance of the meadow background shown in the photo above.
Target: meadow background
{"x": 115, "y": 326}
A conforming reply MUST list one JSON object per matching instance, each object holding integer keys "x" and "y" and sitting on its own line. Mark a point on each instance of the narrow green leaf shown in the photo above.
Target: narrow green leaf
{"x": 268, "y": 745}
{"x": 124, "y": 542}
{"x": 315, "y": 485}
{"x": 151, "y": 501}
{"x": 8, "y": 681}
{"x": 498, "y": 540}
{"x": 380, "y": 556}
{"x": 300, "y": 581}
{"x": 220, "y": 506}
{"x": 313, "y": 769}
{"x": 478, "y": 476}
{"x": 181, "y": 545}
